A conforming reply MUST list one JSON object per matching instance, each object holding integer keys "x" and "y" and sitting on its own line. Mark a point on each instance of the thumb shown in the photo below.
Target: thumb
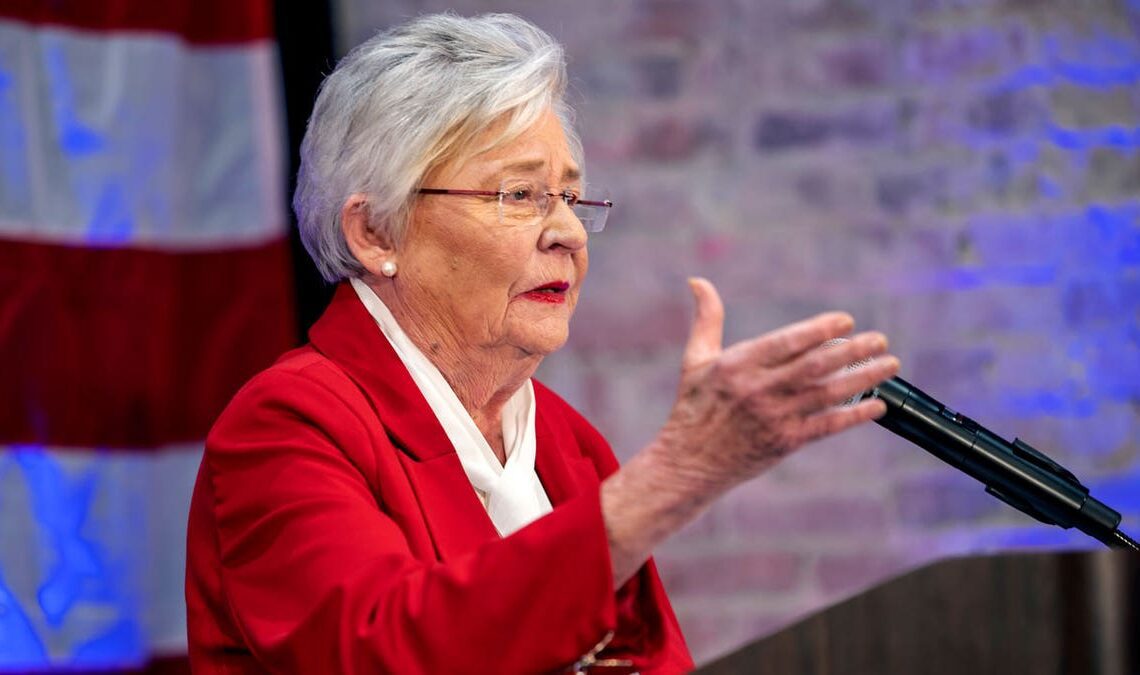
{"x": 707, "y": 332}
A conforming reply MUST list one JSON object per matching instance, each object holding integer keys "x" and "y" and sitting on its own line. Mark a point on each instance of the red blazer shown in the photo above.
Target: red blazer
{"x": 333, "y": 530}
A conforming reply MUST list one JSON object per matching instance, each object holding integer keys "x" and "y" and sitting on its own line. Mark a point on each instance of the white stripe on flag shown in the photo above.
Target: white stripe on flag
{"x": 133, "y": 139}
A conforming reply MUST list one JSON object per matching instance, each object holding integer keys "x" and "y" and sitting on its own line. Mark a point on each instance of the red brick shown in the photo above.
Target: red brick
{"x": 732, "y": 573}
{"x": 675, "y": 19}
{"x": 840, "y": 573}
{"x": 821, "y": 515}
{"x": 711, "y": 632}
{"x": 672, "y": 139}
{"x": 942, "y": 498}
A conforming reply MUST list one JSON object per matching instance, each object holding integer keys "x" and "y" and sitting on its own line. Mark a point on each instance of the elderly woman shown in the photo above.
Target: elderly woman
{"x": 399, "y": 495}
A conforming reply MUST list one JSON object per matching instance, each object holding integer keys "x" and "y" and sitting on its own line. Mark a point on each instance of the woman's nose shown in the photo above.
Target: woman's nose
{"x": 562, "y": 229}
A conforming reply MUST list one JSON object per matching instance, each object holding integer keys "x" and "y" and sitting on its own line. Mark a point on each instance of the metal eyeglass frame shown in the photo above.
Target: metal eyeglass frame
{"x": 567, "y": 197}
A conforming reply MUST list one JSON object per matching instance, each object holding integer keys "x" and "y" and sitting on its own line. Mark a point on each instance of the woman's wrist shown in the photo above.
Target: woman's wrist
{"x": 646, "y": 501}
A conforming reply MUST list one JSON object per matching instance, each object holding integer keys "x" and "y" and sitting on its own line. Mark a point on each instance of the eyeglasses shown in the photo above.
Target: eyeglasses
{"x": 527, "y": 203}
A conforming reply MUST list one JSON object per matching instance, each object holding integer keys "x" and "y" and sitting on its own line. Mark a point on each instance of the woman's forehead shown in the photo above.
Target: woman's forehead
{"x": 541, "y": 150}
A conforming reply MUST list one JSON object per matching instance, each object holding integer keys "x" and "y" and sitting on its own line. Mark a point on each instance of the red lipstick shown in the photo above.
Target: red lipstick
{"x": 553, "y": 292}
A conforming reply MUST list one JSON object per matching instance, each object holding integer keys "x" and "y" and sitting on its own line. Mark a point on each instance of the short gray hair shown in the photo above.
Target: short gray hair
{"x": 408, "y": 100}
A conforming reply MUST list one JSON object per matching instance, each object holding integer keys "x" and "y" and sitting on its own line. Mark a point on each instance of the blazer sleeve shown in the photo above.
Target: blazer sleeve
{"x": 318, "y": 578}
{"x": 647, "y": 630}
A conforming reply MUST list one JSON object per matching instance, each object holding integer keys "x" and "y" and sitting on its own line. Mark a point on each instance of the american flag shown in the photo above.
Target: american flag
{"x": 144, "y": 275}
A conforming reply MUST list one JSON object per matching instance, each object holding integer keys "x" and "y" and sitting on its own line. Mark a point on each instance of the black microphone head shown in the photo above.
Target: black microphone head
{"x": 835, "y": 342}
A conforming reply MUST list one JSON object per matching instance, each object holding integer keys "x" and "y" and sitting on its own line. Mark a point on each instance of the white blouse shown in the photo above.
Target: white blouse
{"x": 511, "y": 493}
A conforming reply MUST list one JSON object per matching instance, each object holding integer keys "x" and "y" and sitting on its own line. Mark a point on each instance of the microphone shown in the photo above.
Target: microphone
{"x": 1015, "y": 473}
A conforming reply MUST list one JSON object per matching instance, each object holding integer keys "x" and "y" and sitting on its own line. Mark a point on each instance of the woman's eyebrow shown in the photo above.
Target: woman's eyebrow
{"x": 571, "y": 173}
{"x": 524, "y": 166}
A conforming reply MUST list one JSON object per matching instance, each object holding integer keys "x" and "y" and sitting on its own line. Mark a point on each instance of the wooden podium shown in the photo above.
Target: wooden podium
{"x": 1053, "y": 613}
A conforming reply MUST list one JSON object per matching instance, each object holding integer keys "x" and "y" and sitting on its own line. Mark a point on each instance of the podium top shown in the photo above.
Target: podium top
{"x": 1041, "y": 613}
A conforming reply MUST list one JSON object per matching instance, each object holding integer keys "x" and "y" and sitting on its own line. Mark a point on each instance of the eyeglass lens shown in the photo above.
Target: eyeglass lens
{"x": 528, "y": 202}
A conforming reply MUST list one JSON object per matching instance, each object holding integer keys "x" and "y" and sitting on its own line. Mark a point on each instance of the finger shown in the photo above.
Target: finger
{"x": 838, "y": 388}
{"x": 707, "y": 332}
{"x": 828, "y": 358}
{"x": 783, "y": 344}
{"x": 835, "y": 420}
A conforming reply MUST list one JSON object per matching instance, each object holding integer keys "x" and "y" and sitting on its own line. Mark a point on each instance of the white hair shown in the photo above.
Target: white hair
{"x": 408, "y": 100}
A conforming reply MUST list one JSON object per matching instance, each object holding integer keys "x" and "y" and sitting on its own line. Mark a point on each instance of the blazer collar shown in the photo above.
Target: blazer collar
{"x": 348, "y": 335}
{"x": 562, "y": 466}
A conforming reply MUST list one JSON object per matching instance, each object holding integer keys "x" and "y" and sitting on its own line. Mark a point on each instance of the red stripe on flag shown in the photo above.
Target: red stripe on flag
{"x": 196, "y": 21}
{"x": 127, "y": 348}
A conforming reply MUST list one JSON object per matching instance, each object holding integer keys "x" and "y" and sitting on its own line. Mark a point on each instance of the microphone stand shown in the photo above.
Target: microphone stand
{"x": 1015, "y": 473}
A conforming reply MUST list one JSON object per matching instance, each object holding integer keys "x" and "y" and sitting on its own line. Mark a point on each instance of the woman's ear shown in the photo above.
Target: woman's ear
{"x": 371, "y": 247}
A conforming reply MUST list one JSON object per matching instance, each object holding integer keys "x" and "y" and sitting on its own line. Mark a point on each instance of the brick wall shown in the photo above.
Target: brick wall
{"x": 962, "y": 174}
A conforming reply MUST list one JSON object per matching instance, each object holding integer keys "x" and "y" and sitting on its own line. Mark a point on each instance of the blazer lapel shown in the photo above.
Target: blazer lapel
{"x": 563, "y": 469}
{"x": 347, "y": 334}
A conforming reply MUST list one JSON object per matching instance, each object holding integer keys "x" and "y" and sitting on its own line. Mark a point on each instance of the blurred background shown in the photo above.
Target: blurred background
{"x": 963, "y": 175}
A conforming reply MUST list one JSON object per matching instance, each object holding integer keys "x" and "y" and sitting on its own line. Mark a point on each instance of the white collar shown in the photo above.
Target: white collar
{"x": 512, "y": 494}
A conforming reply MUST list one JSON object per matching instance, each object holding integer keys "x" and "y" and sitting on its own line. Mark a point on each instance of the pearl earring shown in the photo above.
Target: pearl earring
{"x": 388, "y": 269}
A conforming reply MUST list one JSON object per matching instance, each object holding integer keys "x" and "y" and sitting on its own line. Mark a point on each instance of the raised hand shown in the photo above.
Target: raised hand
{"x": 739, "y": 411}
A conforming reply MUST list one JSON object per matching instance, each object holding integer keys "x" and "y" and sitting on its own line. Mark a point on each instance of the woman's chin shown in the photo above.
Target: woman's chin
{"x": 540, "y": 340}
{"x": 538, "y": 329}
